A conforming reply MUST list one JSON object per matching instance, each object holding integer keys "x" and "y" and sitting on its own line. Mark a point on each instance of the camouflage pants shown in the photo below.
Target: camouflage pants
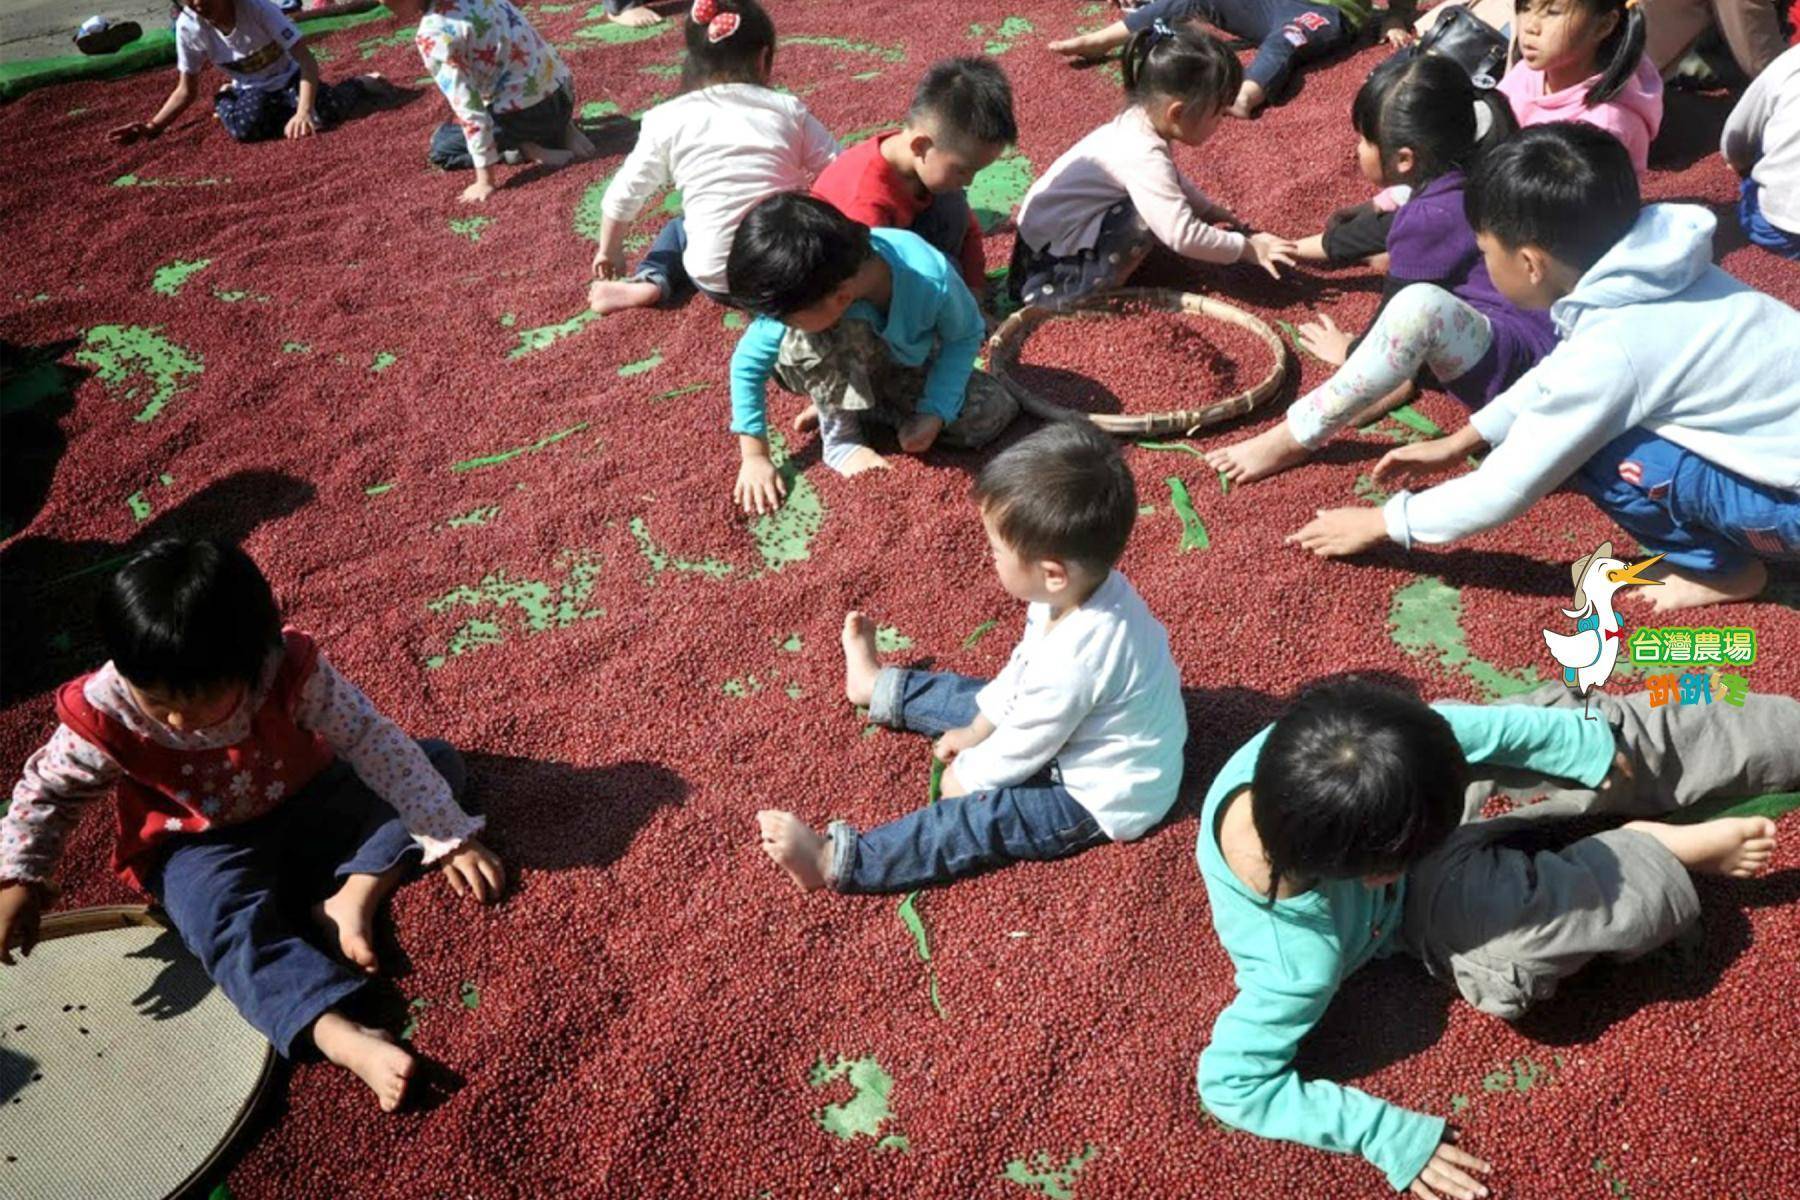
{"x": 852, "y": 377}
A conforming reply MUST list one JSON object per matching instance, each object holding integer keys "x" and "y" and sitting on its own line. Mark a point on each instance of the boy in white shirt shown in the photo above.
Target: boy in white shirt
{"x": 1078, "y": 741}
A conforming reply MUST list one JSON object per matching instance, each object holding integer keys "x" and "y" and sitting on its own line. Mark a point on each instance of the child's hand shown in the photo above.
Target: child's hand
{"x": 1336, "y": 532}
{"x": 300, "y": 125}
{"x": 759, "y": 488}
{"x": 137, "y": 131}
{"x": 608, "y": 266}
{"x": 1447, "y": 1174}
{"x": 1268, "y": 252}
{"x": 476, "y": 192}
{"x": 947, "y": 747}
{"x": 1399, "y": 37}
{"x": 1325, "y": 341}
{"x": 919, "y": 431}
{"x": 474, "y": 870}
{"x": 20, "y": 904}
{"x": 1403, "y": 464}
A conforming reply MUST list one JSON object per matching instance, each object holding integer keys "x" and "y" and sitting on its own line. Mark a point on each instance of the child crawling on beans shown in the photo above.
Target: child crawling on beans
{"x": 1077, "y": 742}
{"x": 252, "y": 779}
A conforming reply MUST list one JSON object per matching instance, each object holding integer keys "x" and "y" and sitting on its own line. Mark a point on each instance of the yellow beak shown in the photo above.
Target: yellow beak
{"x": 1631, "y": 574}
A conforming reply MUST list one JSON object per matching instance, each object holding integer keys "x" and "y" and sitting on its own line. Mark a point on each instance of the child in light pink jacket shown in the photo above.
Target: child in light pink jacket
{"x": 1583, "y": 60}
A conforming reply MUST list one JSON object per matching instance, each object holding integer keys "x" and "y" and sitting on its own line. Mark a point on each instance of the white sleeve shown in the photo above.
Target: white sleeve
{"x": 190, "y": 47}
{"x": 1047, "y": 705}
{"x": 273, "y": 21}
{"x": 643, "y": 174}
{"x": 1741, "y": 142}
{"x": 817, "y": 146}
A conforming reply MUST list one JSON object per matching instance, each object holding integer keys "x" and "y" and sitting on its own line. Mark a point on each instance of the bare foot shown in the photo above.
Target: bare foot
{"x": 1681, "y": 590}
{"x": 807, "y": 418}
{"x": 635, "y": 17}
{"x": 1735, "y": 846}
{"x": 613, "y": 295}
{"x": 370, "y": 1054}
{"x": 349, "y": 916}
{"x": 795, "y": 848}
{"x": 580, "y": 145}
{"x": 548, "y": 156}
{"x": 862, "y": 459}
{"x": 861, "y": 666}
{"x": 1268, "y": 453}
{"x": 1081, "y": 47}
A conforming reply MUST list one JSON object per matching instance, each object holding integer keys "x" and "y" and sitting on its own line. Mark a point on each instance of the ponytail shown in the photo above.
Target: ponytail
{"x": 727, "y": 41}
{"x": 1621, "y": 50}
{"x": 1182, "y": 64}
{"x": 1426, "y": 104}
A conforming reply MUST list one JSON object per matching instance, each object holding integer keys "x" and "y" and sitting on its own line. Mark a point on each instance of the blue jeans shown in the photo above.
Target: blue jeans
{"x": 1758, "y": 228}
{"x": 238, "y": 895}
{"x": 1704, "y": 518}
{"x": 1287, "y": 32}
{"x": 662, "y": 266}
{"x": 256, "y": 115}
{"x": 1033, "y": 821}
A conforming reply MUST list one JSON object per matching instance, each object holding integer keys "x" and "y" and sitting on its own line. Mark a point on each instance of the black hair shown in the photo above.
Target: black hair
{"x": 736, "y": 58}
{"x": 1618, "y": 53}
{"x": 1182, "y": 63}
{"x": 791, "y": 251}
{"x": 1566, "y": 187}
{"x": 1061, "y": 493}
{"x": 188, "y": 615}
{"x": 1426, "y": 104}
{"x": 1355, "y": 779}
{"x": 969, "y": 99}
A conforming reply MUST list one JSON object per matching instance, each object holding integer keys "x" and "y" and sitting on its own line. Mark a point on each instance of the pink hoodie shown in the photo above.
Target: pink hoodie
{"x": 1633, "y": 115}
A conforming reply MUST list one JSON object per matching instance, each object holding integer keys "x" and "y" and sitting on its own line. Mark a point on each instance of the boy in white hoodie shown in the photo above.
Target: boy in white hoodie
{"x": 1672, "y": 400}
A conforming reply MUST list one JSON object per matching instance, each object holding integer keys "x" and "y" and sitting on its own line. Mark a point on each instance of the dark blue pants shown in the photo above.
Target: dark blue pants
{"x": 1704, "y": 518}
{"x": 1758, "y": 227}
{"x": 1287, "y": 32}
{"x": 1033, "y": 821}
{"x": 945, "y": 223}
{"x": 545, "y": 123}
{"x": 239, "y": 895}
{"x": 662, "y": 266}
{"x": 253, "y": 115}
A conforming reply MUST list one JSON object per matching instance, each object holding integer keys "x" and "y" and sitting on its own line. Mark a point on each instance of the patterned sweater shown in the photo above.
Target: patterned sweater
{"x": 487, "y": 59}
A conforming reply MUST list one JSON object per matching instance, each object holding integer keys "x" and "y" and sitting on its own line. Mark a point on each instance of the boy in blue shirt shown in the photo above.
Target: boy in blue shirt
{"x": 872, "y": 325}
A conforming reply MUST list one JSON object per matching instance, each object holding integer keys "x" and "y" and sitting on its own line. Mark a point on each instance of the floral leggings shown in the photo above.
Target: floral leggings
{"x": 1422, "y": 326}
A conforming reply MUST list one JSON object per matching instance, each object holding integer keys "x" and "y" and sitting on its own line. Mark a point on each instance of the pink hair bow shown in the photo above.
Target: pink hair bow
{"x": 719, "y": 25}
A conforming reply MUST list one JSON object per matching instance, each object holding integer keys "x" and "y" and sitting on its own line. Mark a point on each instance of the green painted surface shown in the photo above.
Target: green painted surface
{"x": 642, "y": 365}
{"x": 474, "y": 518}
{"x": 137, "y": 365}
{"x": 1774, "y": 806}
{"x": 1521, "y": 1075}
{"x": 532, "y": 340}
{"x": 135, "y": 181}
{"x": 867, "y": 1110}
{"x": 295, "y": 348}
{"x": 661, "y": 561}
{"x": 785, "y": 536}
{"x": 979, "y": 632}
{"x": 792, "y": 644}
{"x": 383, "y": 360}
{"x": 607, "y": 33}
{"x": 1609, "y": 1175}
{"x": 504, "y": 456}
{"x": 675, "y": 393}
{"x": 997, "y": 189}
{"x": 239, "y": 295}
{"x": 470, "y": 995}
{"x": 733, "y": 319}
{"x": 593, "y": 110}
{"x": 414, "y": 1012}
{"x": 540, "y": 606}
{"x": 1369, "y": 491}
{"x": 1004, "y": 36}
{"x": 1425, "y": 620}
{"x": 588, "y": 211}
{"x": 895, "y": 53}
{"x": 470, "y": 227}
{"x": 1193, "y": 530}
{"x": 379, "y": 489}
{"x": 1045, "y": 1176}
{"x": 865, "y": 76}
{"x": 169, "y": 279}
{"x": 889, "y": 639}
{"x": 139, "y": 506}
{"x": 909, "y": 904}
{"x": 371, "y": 46}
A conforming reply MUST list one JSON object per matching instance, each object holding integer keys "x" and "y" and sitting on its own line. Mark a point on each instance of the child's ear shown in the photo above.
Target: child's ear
{"x": 1056, "y": 574}
{"x": 1403, "y": 162}
{"x": 919, "y": 144}
{"x": 1172, "y": 115}
{"x": 1536, "y": 263}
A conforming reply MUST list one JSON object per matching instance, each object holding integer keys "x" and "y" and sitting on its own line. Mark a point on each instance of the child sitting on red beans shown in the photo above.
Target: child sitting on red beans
{"x": 1078, "y": 740}
{"x": 1350, "y": 830}
{"x": 250, "y": 775}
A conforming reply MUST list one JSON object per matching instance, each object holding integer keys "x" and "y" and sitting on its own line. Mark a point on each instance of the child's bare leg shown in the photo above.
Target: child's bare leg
{"x": 807, "y": 418}
{"x": 1273, "y": 450}
{"x": 635, "y": 17}
{"x": 793, "y": 846}
{"x": 579, "y": 144}
{"x": 349, "y": 914}
{"x": 1734, "y": 846}
{"x": 861, "y": 665}
{"x": 862, "y": 459}
{"x": 1097, "y": 44}
{"x": 1683, "y": 590}
{"x": 370, "y": 1054}
{"x": 613, "y": 295}
{"x": 1250, "y": 97}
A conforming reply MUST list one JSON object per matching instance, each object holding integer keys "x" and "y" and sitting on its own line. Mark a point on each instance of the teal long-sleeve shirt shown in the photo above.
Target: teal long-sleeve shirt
{"x": 1291, "y": 955}
{"x": 931, "y": 317}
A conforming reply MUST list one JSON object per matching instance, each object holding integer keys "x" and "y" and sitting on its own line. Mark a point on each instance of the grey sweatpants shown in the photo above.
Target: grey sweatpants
{"x": 1505, "y": 925}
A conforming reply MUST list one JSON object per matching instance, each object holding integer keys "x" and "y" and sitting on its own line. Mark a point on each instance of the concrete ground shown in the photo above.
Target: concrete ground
{"x": 42, "y": 28}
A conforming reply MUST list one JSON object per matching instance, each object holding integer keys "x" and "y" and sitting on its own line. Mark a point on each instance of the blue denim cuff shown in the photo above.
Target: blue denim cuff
{"x": 884, "y": 703}
{"x": 842, "y": 836}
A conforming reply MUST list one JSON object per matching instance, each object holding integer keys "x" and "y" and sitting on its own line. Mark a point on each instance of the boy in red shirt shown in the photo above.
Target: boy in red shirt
{"x": 961, "y": 120}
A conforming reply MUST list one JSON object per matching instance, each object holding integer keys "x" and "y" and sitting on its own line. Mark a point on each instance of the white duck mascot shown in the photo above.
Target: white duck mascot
{"x": 1587, "y": 656}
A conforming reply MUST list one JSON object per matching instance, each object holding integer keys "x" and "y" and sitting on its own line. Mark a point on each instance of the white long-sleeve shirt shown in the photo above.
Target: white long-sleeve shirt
{"x": 726, "y": 147}
{"x": 1123, "y": 159}
{"x": 1100, "y": 694}
{"x": 1763, "y": 137}
{"x": 1655, "y": 336}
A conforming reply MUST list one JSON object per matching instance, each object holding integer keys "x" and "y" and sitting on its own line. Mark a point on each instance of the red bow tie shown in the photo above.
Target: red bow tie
{"x": 1612, "y": 633}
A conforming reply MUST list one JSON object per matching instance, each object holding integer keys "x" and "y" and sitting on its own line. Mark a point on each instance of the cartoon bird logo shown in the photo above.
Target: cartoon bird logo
{"x": 1588, "y": 655}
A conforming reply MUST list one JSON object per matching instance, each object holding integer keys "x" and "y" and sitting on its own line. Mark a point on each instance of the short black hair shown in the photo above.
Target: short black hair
{"x": 189, "y": 615}
{"x": 1355, "y": 779}
{"x": 734, "y": 58}
{"x": 1061, "y": 493}
{"x": 1426, "y": 104}
{"x": 791, "y": 251}
{"x": 968, "y": 100}
{"x": 1180, "y": 62}
{"x": 1567, "y": 188}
